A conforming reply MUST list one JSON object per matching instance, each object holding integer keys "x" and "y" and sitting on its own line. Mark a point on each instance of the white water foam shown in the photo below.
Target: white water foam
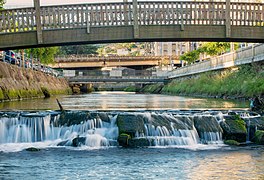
{"x": 20, "y": 133}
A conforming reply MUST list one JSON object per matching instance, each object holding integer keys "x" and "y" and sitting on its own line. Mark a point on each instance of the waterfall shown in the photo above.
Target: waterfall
{"x": 92, "y": 129}
{"x": 41, "y": 128}
{"x": 181, "y": 130}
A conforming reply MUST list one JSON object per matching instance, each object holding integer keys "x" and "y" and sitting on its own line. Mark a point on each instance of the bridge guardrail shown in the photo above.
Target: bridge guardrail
{"x": 122, "y": 14}
{"x": 242, "y": 56}
{"x": 83, "y": 58}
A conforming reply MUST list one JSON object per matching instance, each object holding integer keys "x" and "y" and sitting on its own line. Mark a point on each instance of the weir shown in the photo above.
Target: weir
{"x": 105, "y": 129}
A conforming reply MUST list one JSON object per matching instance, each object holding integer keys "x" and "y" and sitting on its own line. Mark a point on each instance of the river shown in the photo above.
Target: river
{"x": 123, "y": 101}
{"x": 212, "y": 160}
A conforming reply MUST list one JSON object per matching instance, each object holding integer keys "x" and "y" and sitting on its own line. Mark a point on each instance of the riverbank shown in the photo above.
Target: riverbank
{"x": 243, "y": 83}
{"x": 18, "y": 83}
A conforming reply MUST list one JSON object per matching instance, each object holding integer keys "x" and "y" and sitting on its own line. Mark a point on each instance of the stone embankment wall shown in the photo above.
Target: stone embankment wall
{"x": 20, "y": 83}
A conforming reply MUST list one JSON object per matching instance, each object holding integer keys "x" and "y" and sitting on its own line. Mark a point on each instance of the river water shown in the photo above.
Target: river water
{"x": 196, "y": 160}
{"x": 123, "y": 101}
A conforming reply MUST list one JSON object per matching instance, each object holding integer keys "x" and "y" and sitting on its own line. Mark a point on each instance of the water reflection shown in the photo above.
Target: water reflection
{"x": 235, "y": 165}
{"x": 122, "y": 101}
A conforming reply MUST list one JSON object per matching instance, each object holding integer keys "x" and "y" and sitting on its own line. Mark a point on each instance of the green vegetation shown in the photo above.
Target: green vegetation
{"x": 152, "y": 88}
{"x": 210, "y": 48}
{"x": 45, "y": 55}
{"x": 2, "y": 2}
{"x": 247, "y": 81}
{"x": 130, "y": 89}
{"x": 232, "y": 142}
{"x": 259, "y": 137}
{"x": 78, "y": 49}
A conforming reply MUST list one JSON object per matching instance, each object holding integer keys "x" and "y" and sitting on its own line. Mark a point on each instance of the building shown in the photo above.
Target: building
{"x": 174, "y": 48}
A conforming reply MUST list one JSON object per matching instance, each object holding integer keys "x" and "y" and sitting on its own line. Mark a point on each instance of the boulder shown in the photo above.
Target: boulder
{"x": 139, "y": 142}
{"x": 78, "y": 141}
{"x": 130, "y": 124}
{"x": 68, "y": 118}
{"x": 234, "y": 128}
{"x": 253, "y": 124}
{"x": 205, "y": 125}
{"x": 32, "y": 149}
{"x": 125, "y": 140}
{"x": 259, "y": 137}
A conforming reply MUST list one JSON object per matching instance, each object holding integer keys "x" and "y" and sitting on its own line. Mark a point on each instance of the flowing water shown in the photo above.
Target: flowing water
{"x": 179, "y": 148}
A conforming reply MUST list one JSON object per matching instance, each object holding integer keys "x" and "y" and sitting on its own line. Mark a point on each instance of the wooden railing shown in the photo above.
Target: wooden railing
{"x": 122, "y": 14}
{"x": 242, "y": 56}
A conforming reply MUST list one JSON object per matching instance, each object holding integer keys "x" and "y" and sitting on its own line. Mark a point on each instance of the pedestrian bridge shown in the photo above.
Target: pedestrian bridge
{"x": 86, "y": 61}
{"x": 131, "y": 22}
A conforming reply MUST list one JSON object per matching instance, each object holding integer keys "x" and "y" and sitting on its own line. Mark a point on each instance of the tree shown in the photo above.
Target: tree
{"x": 78, "y": 49}
{"x": 191, "y": 56}
{"x": 2, "y": 2}
{"x": 209, "y": 48}
{"x": 45, "y": 55}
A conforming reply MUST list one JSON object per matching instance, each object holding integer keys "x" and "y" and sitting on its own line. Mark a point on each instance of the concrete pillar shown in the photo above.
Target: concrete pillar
{"x": 228, "y": 19}
{"x": 38, "y": 21}
{"x": 135, "y": 15}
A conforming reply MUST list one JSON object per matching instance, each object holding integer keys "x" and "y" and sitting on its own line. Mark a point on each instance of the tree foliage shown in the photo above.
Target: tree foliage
{"x": 45, "y": 55}
{"x": 78, "y": 49}
{"x": 209, "y": 48}
{"x": 2, "y": 2}
{"x": 191, "y": 56}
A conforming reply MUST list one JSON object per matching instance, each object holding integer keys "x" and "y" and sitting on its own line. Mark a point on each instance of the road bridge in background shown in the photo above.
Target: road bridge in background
{"x": 41, "y": 26}
{"x": 85, "y": 61}
{"x": 132, "y": 79}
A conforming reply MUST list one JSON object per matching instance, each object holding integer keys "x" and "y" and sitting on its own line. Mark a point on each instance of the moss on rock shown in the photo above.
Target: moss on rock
{"x": 130, "y": 124}
{"x": 234, "y": 129}
{"x": 232, "y": 142}
{"x": 259, "y": 137}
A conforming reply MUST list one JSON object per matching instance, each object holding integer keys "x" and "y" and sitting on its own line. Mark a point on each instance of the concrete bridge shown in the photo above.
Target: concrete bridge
{"x": 131, "y": 22}
{"x": 132, "y": 79}
{"x": 85, "y": 61}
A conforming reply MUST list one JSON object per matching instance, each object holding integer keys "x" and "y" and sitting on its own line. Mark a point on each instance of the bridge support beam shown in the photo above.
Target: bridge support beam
{"x": 228, "y": 19}
{"x": 38, "y": 21}
{"x": 135, "y": 15}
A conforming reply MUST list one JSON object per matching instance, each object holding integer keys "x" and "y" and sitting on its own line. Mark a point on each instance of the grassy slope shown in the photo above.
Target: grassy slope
{"x": 246, "y": 82}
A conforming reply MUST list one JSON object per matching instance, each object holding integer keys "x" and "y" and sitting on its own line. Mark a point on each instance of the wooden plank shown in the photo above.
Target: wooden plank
{"x": 228, "y": 22}
{"x": 115, "y": 8}
{"x": 3, "y": 27}
{"x": 13, "y": 26}
{"x": 182, "y": 25}
{"x": 135, "y": 15}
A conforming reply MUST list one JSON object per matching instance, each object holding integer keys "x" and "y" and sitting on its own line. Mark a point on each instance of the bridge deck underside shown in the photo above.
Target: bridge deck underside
{"x": 126, "y": 34}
